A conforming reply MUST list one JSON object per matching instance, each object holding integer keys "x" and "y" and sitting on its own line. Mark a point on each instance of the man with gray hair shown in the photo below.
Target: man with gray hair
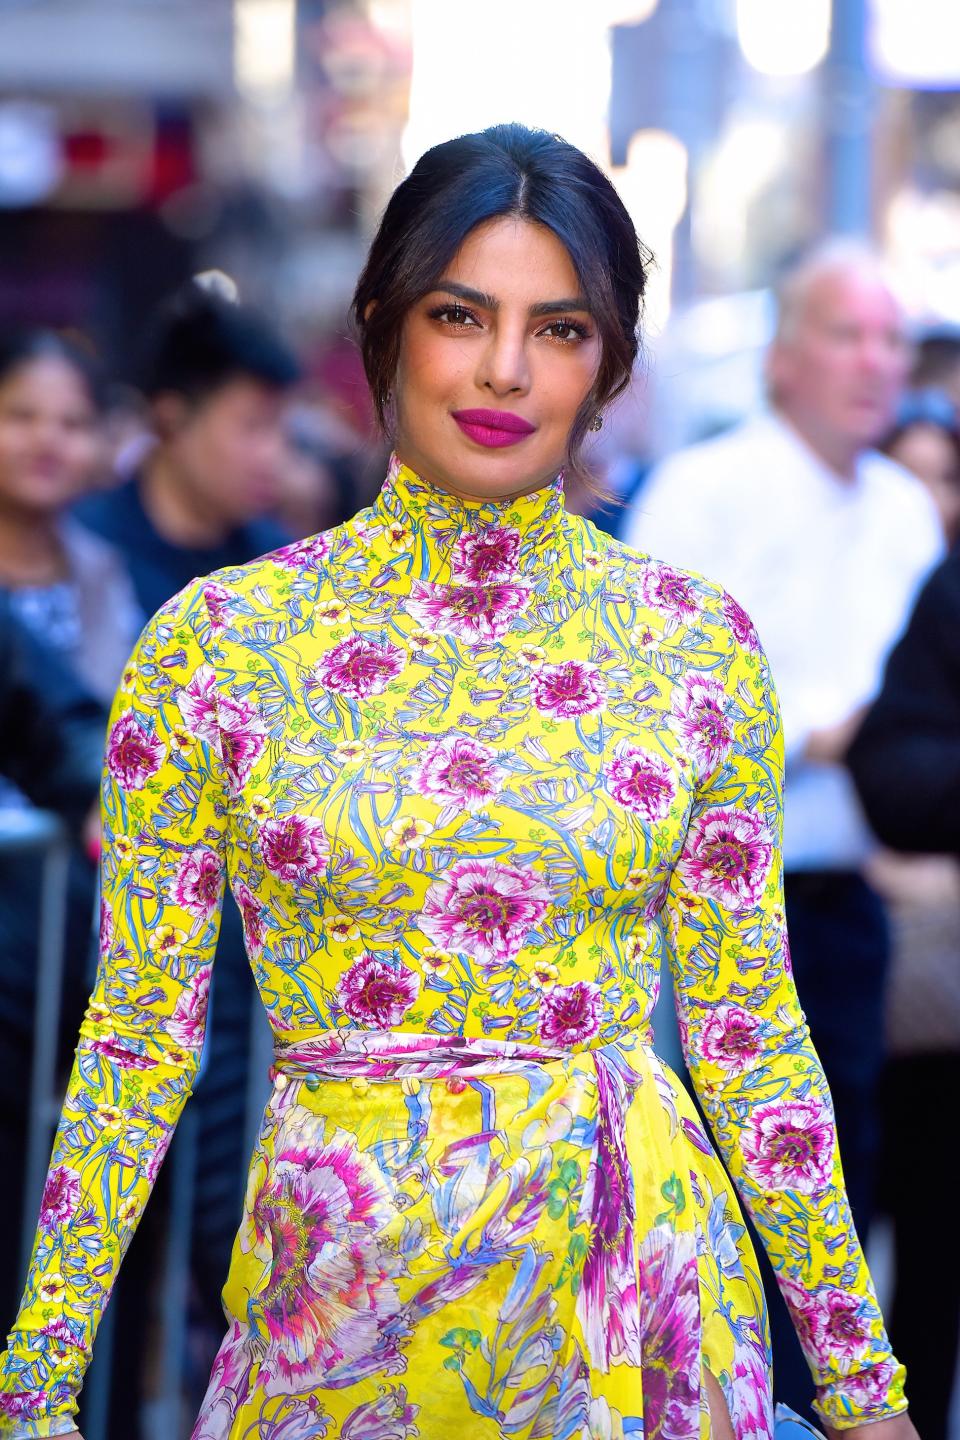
{"x": 824, "y": 542}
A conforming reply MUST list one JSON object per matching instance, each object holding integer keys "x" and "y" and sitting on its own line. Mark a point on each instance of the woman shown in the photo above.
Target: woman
{"x": 64, "y": 583}
{"x": 926, "y": 439}
{"x": 472, "y": 766}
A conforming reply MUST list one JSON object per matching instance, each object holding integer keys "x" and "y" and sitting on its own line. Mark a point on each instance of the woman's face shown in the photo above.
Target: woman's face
{"x": 494, "y": 364}
{"x": 50, "y": 439}
{"x": 930, "y": 453}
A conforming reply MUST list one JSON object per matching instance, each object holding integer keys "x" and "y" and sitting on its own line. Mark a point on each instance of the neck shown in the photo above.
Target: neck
{"x": 175, "y": 509}
{"x": 31, "y": 552}
{"x": 838, "y": 453}
{"x": 407, "y": 456}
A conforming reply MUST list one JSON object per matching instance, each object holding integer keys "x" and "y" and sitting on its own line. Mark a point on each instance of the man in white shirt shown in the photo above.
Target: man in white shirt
{"x": 824, "y": 542}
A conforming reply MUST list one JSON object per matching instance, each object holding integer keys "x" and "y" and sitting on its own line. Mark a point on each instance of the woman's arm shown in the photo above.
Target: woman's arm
{"x": 752, "y": 1062}
{"x": 164, "y": 823}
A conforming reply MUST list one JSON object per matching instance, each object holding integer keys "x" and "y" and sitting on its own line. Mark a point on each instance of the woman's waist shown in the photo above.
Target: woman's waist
{"x": 397, "y": 1055}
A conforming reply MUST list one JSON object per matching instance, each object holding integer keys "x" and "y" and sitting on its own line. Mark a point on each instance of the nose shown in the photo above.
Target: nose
{"x": 504, "y": 367}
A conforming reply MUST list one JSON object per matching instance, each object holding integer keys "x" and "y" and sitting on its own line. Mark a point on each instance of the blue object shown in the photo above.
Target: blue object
{"x": 788, "y": 1425}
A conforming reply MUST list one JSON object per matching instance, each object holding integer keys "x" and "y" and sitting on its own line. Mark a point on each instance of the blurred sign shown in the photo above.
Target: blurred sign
{"x": 915, "y": 43}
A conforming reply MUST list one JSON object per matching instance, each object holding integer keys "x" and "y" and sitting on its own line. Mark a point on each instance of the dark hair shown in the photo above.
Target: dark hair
{"x": 26, "y": 347}
{"x": 936, "y": 358}
{"x": 925, "y": 407}
{"x": 199, "y": 341}
{"x": 506, "y": 170}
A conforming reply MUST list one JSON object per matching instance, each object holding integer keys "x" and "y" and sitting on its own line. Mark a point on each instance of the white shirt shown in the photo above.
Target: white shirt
{"x": 827, "y": 568}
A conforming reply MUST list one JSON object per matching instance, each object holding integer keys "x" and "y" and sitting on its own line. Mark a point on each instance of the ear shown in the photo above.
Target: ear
{"x": 169, "y": 413}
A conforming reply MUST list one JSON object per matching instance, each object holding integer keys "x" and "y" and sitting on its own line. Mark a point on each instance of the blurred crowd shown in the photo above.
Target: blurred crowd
{"x": 832, "y": 516}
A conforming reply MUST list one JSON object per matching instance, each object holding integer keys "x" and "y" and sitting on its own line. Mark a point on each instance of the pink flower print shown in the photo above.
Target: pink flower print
{"x": 216, "y": 599}
{"x": 188, "y": 1021}
{"x": 751, "y": 1401}
{"x": 250, "y": 911}
{"x": 570, "y": 1014}
{"x": 198, "y": 882}
{"x": 702, "y": 711}
{"x": 318, "y": 1214}
{"x": 669, "y": 1326}
{"x": 388, "y": 1417}
{"x": 294, "y": 847}
{"x": 358, "y": 667}
{"x": 242, "y": 740}
{"x": 23, "y": 1404}
{"x": 375, "y": 993}
{"x": 789, "y": 1146}
{"x": 730, "y": 1038}
{"x": 133, "y": 753}
{"x": 304, "y": 554}
{"x": 869, "y": 1389}
{"x": 61, "y": 1196}
{"x": 459, "y": 771}
{"x": 727, "y": 857}
{"x": 641, "y": 782}
{"x": 106, "y": 928}
{"x": 568, "y": 690}
{"x": 669, "y": 591}
{"x": 490, "y": 556}
{"x": 197, "y": 703}
{"x": 741, "y": 626}
{"x": 842, "y": 1326}
{"x": 477, "y": 614}
{"x": 484, "y": 909}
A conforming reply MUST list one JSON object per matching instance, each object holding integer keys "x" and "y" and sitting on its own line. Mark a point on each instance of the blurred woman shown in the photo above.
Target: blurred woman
{"x": 63, "y": 582}
{"x": 926, "y": 440}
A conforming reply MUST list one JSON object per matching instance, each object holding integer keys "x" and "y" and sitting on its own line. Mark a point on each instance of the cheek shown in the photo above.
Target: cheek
{"x": 433, "y": 366}
{"x": 562, "y": 381}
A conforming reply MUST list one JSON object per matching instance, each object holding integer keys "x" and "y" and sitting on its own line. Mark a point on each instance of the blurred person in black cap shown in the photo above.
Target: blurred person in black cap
{"x": 217, "y": 379}
{"x": 906, "y": 761}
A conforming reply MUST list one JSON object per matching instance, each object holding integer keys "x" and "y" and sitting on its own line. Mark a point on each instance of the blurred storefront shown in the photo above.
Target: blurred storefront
{"x": 157, "y": 138}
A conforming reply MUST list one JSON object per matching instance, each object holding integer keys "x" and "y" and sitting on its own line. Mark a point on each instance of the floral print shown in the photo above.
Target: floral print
{"x": 472, "y": 772}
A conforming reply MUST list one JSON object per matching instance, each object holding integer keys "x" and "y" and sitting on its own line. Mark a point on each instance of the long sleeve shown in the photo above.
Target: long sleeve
{"x": 164, "y": 823}
{"x": 753, "y": 1065}
{"x": 906, "y": 758}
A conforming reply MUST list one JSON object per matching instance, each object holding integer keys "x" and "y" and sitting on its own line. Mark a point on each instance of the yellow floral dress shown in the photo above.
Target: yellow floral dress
{"x": 471, "y": 772}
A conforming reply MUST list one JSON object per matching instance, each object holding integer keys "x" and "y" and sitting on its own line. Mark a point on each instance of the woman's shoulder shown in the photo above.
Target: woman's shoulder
{"x": 676, "y": 597}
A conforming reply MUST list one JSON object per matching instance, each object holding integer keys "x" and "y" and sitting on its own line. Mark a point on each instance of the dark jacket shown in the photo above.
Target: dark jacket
{"x": 157, "y": 567}
{"x": 51, "y": 728}
{"x": 906, "y": 757}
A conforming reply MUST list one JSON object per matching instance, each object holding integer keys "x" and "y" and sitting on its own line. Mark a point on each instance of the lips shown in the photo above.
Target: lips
{"x": 493, "y": 428}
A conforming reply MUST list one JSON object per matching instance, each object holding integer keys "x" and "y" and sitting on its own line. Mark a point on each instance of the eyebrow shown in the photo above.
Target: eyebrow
{"x": 490, "y": 302}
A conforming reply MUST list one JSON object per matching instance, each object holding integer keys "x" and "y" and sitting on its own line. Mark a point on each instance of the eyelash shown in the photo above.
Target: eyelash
{"x": 580, "y": 331}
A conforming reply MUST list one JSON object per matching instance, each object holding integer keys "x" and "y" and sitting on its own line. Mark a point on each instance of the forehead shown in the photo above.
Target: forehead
{"x": 49, "y": 378}
{"x": 852, "y": 295}
{"x": 514, "y": 259}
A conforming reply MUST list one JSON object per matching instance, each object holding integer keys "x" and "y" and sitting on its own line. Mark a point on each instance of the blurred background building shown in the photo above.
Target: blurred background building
{"x": 145, "y": 140}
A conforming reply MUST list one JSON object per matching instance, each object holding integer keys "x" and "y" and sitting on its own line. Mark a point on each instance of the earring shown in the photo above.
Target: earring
{"x": 597, "y": 422}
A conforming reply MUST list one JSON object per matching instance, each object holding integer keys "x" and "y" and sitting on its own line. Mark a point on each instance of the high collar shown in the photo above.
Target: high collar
{"x": 475, "y": 540}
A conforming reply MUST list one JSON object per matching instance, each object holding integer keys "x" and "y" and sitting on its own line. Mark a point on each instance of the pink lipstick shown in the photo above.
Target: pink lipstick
{"x": 493, "y": 428}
